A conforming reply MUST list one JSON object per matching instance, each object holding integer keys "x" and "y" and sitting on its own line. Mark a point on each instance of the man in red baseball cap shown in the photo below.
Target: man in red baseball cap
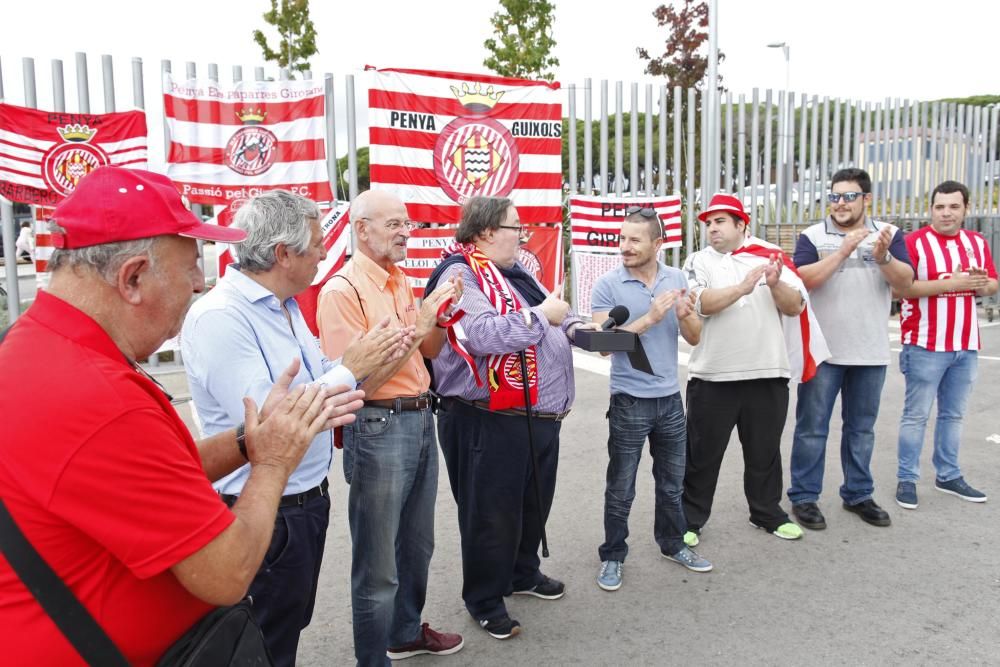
{"x": 739, "y": 371}
{"x": 96, "y": 468}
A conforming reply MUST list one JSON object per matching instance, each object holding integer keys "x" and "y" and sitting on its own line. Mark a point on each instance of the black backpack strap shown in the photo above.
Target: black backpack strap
{"x": 58, "y": 601}
{"x": 356, "y": 293}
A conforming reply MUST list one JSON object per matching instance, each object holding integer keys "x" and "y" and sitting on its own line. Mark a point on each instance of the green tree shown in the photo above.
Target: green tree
{"x": 297, "y": 35}
{"x": 364, "y": 178}
{"x": 523, "y": 40}
{"x": 682, "y": 62}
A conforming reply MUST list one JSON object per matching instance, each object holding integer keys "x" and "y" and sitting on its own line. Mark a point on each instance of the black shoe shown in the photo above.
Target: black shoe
{"x": 547, "y": 589}
{"x": 502, "y": 627}
{"x": 809, "y": 516}
{"x": 870, "y": 512}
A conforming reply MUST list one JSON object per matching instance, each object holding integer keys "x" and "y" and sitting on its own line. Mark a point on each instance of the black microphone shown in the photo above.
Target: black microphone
{"x": 617, "y": 317}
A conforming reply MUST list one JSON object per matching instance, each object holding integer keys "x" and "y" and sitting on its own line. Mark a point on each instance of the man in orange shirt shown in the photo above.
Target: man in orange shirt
{"x": 390, "y": 452}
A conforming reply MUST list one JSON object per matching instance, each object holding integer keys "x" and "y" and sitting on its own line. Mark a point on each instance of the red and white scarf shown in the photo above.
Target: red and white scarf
{"x": 804, "y": 340}
{"x": 505, "y": 381}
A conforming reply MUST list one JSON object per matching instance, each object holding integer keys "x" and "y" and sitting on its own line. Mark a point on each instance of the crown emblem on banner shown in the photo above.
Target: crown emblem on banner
{"x": 76, "y": 133}
{"x": 251, "y": 116}
{"x": 475, "y": 98}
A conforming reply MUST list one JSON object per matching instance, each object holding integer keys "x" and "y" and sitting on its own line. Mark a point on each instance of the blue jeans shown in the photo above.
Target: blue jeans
{"x": 860, "y": 389}
{"x": 949, "y": 377}
{"x": 631, "y": 421}
{"x": 391, "y": 464}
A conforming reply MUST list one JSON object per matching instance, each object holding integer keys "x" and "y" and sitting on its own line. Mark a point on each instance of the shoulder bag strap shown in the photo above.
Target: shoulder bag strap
{"x": 58, "y": 601}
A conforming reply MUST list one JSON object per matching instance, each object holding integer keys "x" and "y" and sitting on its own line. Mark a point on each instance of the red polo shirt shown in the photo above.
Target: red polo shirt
{"x": 105, "y": 481}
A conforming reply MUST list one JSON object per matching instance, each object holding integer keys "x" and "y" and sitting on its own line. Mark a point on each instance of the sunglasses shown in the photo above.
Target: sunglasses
{"x": 644, "y": 211}
{"x": 835, "y": 197}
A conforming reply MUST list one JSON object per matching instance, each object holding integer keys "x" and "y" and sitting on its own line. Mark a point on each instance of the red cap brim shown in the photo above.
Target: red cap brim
{"x": 218, "y": 233}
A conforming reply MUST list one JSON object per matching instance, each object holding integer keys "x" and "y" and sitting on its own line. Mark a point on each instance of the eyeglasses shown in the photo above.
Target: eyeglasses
{"x": 516, "y": 228}
{"x": 397, "y": 225}
{"x": 834, "y": 197}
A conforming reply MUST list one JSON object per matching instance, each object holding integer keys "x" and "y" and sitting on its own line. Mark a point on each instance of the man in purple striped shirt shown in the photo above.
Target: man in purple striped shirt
{"x": 486, "y": 451}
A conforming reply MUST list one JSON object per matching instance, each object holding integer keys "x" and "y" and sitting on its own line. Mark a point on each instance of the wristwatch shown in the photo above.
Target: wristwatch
{"x": 241, "y": 440}
{"x": 888, "y": 258}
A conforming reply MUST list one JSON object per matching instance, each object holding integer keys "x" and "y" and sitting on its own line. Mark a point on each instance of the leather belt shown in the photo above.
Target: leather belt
{"x": 403, "y": 403}
{"x": 520, "y": 412}
{"x": 292, "y": 500}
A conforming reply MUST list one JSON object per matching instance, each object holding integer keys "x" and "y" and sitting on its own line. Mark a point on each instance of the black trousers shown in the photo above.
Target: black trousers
{"x": 757, "y": 409}
{"x": 284, "y": 590}
{"x": 489, "y": 466}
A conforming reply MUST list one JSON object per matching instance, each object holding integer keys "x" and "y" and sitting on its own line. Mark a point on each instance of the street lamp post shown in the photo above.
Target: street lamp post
{"x": 784, "y": 140}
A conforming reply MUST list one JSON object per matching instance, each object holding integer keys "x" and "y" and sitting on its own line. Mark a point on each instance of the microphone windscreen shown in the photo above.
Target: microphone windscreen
{"x": 619, "y": 314}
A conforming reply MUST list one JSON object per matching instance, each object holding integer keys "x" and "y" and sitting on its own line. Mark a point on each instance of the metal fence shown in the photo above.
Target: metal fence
{"x": 777, "y": 150}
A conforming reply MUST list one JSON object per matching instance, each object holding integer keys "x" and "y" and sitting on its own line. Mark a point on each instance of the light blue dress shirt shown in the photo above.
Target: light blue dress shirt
{"x": 236, "y": 341}
{"x": 619, "y": 287}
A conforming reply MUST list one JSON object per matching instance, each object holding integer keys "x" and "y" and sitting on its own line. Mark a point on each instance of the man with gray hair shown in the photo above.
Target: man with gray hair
{"x": 390, "y": 454}
{"x": 235, "y": 341}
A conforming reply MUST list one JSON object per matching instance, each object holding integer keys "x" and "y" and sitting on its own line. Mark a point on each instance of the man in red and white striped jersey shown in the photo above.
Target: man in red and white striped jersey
{"x": 941, "y": 340}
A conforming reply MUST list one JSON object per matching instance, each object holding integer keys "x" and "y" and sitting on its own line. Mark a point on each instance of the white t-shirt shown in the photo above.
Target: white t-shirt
{"x": 744, "y": 341}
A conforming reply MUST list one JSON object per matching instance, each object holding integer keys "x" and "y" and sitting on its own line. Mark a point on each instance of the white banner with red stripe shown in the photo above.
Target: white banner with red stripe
{"x": 44, "y": 154}
{"x": 438, "y": 138}
{"x": 233, "y": 142}
{"x": 595, "y": 222}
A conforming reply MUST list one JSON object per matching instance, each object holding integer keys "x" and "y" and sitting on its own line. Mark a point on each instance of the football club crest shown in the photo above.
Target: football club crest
{"x": 65, "y": 164}
{"x": 512, "y": 370}
{"x": 251, "y": 149}
{"x": 475, "y": 155}
{"x": 530, "y": 262}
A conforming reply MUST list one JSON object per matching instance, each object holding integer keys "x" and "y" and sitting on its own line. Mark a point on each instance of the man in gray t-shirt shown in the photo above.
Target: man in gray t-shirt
{"x": 850, "y": 264}
{"x": 642, "y": 405}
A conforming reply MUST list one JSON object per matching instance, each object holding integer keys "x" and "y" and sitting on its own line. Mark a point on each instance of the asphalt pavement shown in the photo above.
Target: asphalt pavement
{"x": 924, "y": 590}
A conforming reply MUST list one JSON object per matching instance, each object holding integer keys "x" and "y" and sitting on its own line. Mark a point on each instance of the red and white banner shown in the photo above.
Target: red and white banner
{"x": 44, "y": 154}
{"x": 587, "y": 268}
{"x": 596, "y": 222}
{"x": 43, "y": 245}
{"x": 336, "y": 226}
{"x": 438, "y": 138}
{"x": 541, "y": 255}
{"x": 233, "y": 142}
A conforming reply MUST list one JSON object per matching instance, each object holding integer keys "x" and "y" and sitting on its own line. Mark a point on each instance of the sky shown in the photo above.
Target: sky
{"x": 868, "y": 50}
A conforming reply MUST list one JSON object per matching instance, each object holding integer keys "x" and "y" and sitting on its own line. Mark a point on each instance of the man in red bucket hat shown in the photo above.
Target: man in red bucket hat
{"x": 96, "y": 469}
{"x": 739, "y": 371}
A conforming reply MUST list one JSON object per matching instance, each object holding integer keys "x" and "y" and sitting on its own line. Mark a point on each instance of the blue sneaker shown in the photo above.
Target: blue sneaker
{"x": 610, "y": 576}
{"x": 906, "y": 495}
{"x": 959, "y": 487}
{"x": 689, "y": 559}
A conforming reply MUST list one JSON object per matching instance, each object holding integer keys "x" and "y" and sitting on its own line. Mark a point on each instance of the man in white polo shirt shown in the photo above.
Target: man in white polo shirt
{"x": 940, "y": 335}
{"x": 739, "y": 371}
{"x": 643, "y": 405}
{"x": 850, "y": 264}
